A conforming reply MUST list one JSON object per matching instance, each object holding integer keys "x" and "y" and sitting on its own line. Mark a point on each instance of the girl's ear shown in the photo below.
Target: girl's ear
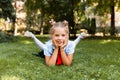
{"x": 65, "y": 23}
{"x": 52, "y": 22}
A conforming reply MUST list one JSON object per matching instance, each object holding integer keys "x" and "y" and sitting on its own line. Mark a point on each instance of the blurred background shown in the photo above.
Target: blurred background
{"x": 97, "y": 17}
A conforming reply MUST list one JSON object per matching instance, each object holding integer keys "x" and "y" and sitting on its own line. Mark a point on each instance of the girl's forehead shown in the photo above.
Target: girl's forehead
{"x": 59, "y": 29}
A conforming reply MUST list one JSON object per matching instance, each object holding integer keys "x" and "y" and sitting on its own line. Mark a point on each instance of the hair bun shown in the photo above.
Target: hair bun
{"x": 65, "y": 23}
{"x": 52, "y": 22}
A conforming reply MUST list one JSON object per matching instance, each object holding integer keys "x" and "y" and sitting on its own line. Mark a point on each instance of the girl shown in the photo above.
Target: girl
{"x": 59, "y": 50}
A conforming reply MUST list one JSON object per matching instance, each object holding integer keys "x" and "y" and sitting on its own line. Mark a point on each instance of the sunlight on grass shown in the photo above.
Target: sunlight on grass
{"x": 6, "y": 77}
{"x": 26, "y": 42}
{"x": 105, "y": 41}
{"x": 108, "y": 41}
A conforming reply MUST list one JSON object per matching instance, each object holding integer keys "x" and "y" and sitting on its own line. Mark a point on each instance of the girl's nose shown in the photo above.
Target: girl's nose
{"x": 60, "y": 37}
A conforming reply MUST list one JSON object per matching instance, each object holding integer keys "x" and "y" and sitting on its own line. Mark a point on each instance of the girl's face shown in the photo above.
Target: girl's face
{"x": 60, "y": 36}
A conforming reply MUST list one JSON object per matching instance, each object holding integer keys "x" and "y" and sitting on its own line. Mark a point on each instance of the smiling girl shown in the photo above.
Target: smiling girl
{"x": 59, "y": 49}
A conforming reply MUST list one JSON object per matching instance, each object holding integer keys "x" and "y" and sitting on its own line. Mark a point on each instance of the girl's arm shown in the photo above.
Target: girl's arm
{"x": 67, "y": 59}
{"x": 51, "y": 60}
{"x": 38, "y": 42}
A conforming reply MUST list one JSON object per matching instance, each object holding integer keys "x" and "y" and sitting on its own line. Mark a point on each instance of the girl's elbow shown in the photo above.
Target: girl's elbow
{"x": 48, "y": 64}
{"x": 68, "y": 64}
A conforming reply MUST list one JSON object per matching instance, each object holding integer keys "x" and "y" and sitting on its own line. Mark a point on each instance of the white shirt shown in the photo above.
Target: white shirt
{"x": 69, "y": 48}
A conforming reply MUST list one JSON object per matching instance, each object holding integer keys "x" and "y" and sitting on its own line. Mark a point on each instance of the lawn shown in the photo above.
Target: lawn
{"x": 93, "y": 60}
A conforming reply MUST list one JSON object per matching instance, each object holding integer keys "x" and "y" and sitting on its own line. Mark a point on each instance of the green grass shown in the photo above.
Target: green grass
{"x": 93, "y": 60}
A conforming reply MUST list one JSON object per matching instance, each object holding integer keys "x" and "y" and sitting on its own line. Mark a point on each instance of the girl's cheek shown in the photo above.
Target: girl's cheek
{"x": 67, "y": 36}
{"x": 54, "y": 38}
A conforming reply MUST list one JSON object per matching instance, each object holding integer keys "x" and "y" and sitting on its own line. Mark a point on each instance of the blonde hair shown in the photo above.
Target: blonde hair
{"x": 63, "y": 24}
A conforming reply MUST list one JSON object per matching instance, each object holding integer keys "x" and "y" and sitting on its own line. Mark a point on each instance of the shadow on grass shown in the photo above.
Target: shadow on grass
{"x": 39, "y": 54}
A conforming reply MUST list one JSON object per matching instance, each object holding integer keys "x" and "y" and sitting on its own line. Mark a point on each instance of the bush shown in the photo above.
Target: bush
{"x": 6, "y": 37}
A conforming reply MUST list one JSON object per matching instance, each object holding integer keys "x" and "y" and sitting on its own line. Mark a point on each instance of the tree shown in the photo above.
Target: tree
{"x": 61, "y": 9}
{"x": 36, "y": 12}
{"x": 112, "y": 12}
{"x": 104, "y": 7}
{"x": 53, "y": 9}
{"x": 64, "y": 10}
{"x": 7, "y": 10}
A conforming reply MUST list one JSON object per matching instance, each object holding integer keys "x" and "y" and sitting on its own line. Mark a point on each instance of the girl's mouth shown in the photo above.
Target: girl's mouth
{"x": 59, "y": 42}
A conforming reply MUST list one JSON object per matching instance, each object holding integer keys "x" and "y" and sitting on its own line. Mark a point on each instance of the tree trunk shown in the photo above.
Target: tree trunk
{"x": 15, "y": 29}
{"x": 41, "y": 25}
{"x": 112, "y": 30}
{"x": 72, "y": 23}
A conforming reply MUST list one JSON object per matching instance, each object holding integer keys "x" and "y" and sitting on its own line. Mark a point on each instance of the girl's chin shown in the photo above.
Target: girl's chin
{"x": 60, "y": 44}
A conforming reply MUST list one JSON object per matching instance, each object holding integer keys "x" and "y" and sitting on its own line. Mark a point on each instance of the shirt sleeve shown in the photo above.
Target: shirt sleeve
{"x": 47, "y": 52}
{"x": 70, "y": 49}
{"x": 48, "y": 49}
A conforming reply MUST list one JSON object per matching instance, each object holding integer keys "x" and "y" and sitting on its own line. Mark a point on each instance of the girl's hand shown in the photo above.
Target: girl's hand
{"x": 55, "y": 44}
{"x": 64, "y": 44}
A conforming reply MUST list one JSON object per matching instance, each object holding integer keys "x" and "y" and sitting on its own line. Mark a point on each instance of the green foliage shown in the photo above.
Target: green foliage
{"x": 90, "y": 25}
{"x": 5, "y": 37}
{"x": 65, "y": 9}
{"x": 93, "y": 60}
{"x": 7, "y": 10}
{"x": 50, "y": 9}
{"x": 113, "y": 31}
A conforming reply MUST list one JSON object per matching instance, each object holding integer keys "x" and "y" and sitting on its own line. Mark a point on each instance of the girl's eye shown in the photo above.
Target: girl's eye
{"x": 63, "y": 35}
{"x": 56, "y": 35}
